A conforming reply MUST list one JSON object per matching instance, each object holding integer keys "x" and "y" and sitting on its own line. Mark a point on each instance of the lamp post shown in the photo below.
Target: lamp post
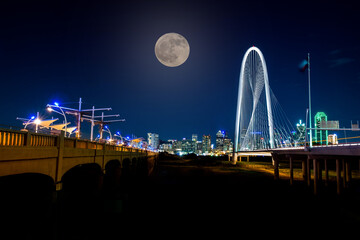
{"x": 50, "y": 109}
{"x": 27, "y": 123}
{"x": 37, "y": 122}
{"x": 310, "y": 116}
{"x": 108, "y": 130}
{"x": 117, "y": 134}
{"x": 97, "y": 138}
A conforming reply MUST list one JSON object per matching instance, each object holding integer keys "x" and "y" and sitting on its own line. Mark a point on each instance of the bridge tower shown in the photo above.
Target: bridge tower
{"x": 253, "y": 79}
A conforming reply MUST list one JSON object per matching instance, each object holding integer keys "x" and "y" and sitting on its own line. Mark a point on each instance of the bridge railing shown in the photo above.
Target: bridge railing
{"x": 23, "y": 138}
{"x": 42, "y": 140}
{"x": 15, "y": 138}
{"x": 11, "y": 138}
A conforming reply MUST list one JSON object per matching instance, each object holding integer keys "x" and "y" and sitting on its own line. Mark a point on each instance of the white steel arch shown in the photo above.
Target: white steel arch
{"x": 241, "y": 96}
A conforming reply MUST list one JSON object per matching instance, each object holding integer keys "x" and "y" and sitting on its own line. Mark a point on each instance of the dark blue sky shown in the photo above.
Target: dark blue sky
{"x": 103, "y": 51}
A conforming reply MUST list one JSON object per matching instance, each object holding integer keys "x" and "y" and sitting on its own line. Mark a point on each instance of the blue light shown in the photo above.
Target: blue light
{"x": 106, "y": 127}
{"x": 33, "y": 117}
{"x": 56, "y": 104}
{"x": 118, "y": 133}
{"x": 255, "y": 132}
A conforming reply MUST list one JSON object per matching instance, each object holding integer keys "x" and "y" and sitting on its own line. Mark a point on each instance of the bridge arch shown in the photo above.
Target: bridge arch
{"x": 83, "y": 178}
{"x": 254, "y": 76}
{"x": 112, "y": 177}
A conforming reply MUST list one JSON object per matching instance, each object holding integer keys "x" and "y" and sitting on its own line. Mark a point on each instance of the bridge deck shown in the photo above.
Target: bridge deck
{"x": 316, "y": 157}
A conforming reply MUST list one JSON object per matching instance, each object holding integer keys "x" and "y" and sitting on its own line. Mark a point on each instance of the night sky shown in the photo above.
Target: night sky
{"x": 103, "y": 52}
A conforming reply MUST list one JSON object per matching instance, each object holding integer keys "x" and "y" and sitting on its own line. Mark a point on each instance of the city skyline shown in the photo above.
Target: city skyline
{"x": 104, "y": 53}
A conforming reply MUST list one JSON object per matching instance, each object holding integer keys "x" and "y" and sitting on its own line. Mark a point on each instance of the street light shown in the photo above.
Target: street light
{"x": 117, "y": 134}
{"x": 50, "y": 109}
{"x": 37, "y": 122}
{"x": 108, "y": 130}
{"x": 97, "y": 138}
{"x": 27, "y": 123}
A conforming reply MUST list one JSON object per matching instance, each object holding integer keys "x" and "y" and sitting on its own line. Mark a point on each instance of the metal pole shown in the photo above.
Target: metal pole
{"x": 306, "y": 127}
{"x": 65, "y": 120}
{"x": 79, "y": 120}
{"x": 102, "y": 125}
{"x": 92, "y": 123}
{"x": 37, "y": 125}
{"x": 310, "y": 116}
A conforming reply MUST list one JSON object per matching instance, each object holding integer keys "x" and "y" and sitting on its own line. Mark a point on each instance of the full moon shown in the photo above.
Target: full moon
{"x": 172, "y": 49}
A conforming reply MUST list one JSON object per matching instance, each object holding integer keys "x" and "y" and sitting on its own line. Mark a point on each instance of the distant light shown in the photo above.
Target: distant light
{"x": 56, "y": 104}
{"x": 33, "y": 117}
{"x": 106, "y": 127}
{"x": 49, "y": 109}
{"x": 37, "y": 121}
{"x": 118, "y": 133}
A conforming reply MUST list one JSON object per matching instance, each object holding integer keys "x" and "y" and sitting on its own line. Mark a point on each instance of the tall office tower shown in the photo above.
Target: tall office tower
{"x": 321, "y": 136}
{"x": 220, "y": 135}
{"x": 153, "y": 140}
{"x": 206, "y": 144}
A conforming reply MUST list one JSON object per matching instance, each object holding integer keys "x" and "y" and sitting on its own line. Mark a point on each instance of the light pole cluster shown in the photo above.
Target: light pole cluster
{"x": 80, "y": 114}
{"x": 83, "y": 114}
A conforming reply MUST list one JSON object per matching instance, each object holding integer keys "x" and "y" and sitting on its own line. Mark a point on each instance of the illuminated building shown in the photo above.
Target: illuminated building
{"x": 198, "y": 147}
{"x": 187, "y": 146}
{"x": 153, "y": 140}
{"x": 220, "y": 135}
{"x": 227, "y": 145}
{"x": 300, "y": 134}
{"x": 333, "y": 139}
{"x": 166, "y": 147}
{"x": 321, "y": 136}
{"x": 321, "y": 122}
{"x": 223, "y": 142}
{"x": 206, "y": 144}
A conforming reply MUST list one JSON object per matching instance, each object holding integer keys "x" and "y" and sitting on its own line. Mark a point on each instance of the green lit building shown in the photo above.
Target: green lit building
{"x": 321, "y": 136}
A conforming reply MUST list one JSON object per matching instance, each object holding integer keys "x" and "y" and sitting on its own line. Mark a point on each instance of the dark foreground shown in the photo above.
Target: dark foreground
{"x": 183, "y": 198}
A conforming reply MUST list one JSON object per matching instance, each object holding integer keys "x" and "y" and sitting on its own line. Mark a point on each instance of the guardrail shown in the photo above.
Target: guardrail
{"x": 15, "y": 138}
